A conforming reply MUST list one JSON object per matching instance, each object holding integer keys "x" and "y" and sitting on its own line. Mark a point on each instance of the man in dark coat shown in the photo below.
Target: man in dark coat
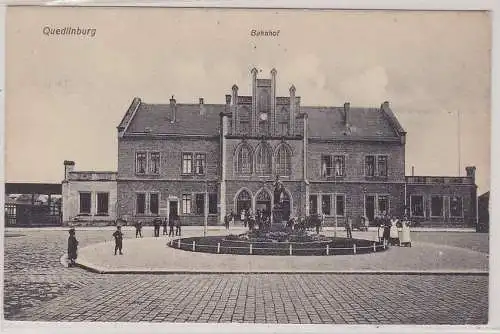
{"x": 72, "y": 248}
{"x": 171, "y": 224}
{"x": 165, "y": 226}
{"x": 118, "y": 235}
{"x": 177, "y": 226}
{"x": 157, "y": 224}
{"x": 138, "y": 229}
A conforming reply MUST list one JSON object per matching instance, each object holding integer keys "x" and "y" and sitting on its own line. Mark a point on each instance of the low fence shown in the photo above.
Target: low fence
{"x": 272, "y": 248}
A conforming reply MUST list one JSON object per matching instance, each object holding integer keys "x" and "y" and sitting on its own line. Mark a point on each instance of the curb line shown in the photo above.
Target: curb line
{"x": 92, "y": 269}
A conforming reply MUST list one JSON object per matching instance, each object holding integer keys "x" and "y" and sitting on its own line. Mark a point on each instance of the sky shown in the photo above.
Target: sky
{"x": 65, "y": 95}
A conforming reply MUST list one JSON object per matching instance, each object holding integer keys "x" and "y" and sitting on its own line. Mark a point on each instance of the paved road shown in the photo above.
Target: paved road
{"x": 37, "y": 287}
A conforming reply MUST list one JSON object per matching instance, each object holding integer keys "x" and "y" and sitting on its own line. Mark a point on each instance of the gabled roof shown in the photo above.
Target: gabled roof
{"x": 329, "y": 122}
{"x": 157, "y": 119}
{"x": 323, "y": 122}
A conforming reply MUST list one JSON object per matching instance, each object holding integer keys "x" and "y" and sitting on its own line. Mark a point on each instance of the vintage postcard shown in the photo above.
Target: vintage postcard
{"x": 257, "y": 166}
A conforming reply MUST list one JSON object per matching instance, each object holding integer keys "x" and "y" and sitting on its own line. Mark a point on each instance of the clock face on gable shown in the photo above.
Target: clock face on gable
{"x": 263, "y": 116}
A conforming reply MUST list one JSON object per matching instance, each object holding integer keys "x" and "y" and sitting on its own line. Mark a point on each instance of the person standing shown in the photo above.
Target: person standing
{"x": 72, "y": 248}
{"x": 177, "y": 226}
{"x": 138, "y": 229}
{"x": 226, "y": 221}
{"x": 165, "y": 226}
{"x": 243, "y": 218}
{"x": 156, "y": 224}
{"x": 348, "y": 228}
{"x": 171, "y": 224}
{"x": 118, "y": 235}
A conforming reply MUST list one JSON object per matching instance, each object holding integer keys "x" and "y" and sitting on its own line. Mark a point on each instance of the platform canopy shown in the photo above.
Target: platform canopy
{"x": 33, "y": 188}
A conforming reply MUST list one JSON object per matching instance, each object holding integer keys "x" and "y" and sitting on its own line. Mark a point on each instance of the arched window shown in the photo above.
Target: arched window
{"x": 263, "y": 159}
{"x": 244, "y": 116}
{"x": 244, "y": 160}
{"x": 283, "y": 160}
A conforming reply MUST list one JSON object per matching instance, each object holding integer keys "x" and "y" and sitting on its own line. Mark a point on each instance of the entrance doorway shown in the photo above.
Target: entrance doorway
{"x": 172, "y": 211}
{"x": 370, "y": 207}
{"x": 243, "y": 202}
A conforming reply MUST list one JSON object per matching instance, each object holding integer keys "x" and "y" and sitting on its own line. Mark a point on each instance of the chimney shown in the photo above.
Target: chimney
{"x": 385, "y": 105}
{"x": 201, "y": 101}
{"x": 173, "y": 108}
{"x": 347, "y": 107}
{"x": 228, "y": 99}
{"x": 69, "y": 166}
{"x": 471, "y": 172}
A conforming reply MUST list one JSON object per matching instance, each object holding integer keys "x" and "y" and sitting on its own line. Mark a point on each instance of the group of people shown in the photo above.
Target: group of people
{"x": 389, "y": 228}
{"x": 173, "y": 221}
{"x": 260, "y": 220}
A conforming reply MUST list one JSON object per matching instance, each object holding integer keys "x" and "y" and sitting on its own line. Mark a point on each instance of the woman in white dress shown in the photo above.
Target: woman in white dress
{"x": 405, "y": 237}
{"x": 394, "y": 231}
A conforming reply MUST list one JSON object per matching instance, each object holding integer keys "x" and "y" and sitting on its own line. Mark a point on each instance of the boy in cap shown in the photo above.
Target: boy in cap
{"x": 118, "y": 235}
{"x": 72, "y": 247}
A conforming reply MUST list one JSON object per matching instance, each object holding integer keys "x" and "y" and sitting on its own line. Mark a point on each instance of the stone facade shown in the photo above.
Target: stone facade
{"x": 204, "y": 161}
{"x": 88, "y": 197}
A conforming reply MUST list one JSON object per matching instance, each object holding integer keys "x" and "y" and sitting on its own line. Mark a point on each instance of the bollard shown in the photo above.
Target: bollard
{"x": 194, "y": 246}
{"x": 354, "y": 248}
{"x": 250, "y": 249}
{"x": 179, "y": 243}
{"x": 218, "y": 247}
{"x": 327, "y": 249}
{"x": 290, "y": 249}
{"x": 374, "y": 247}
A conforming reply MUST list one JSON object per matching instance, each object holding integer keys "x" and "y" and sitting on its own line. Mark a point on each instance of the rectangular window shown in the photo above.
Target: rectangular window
{"x": 140, "y": 162}
{"x": 383, "y": 204}
{"x": 283, "y": 128}
{"x": 456, "y": 209}
{"x": 200, "y": 204}
{"x": 339, "y": 165}
{"x": 370, "y": 165}
{"x": 340, "y": 205}
{"x": 186, "y": 204}
{"x": 199, "y": 164}
{"x": 326, "y": 203}
{"x": 154, "y": 162}
{"x": 382, "y": 165}
{"x": 141, "y": 203}
{"x": 102, "y": 203}
{"x": 85, "y": 203}
{"x": 244, "y": 127}
{"x": 313, "y": 204}
{"x": 417, "y": 205}
{"x": 326, "y": 166}
{"x": 212, "y": 204}
{"x": 437, "y": 206}
{"x": 187, "y": 163}
{"x": 154, "y": 203}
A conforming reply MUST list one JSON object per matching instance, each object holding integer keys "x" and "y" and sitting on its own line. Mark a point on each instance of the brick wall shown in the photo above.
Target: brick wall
{"x": 296, "y": 159}
{"x": 170, "y": 154}
{"x": 355, "y": 197}
{"x": 355, "y": 153}
{"x": 466, "y": 192}
{"x": 168, "y": 190}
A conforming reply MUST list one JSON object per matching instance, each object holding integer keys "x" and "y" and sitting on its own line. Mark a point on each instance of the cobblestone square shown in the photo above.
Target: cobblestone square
{"x": 38, "y": 288}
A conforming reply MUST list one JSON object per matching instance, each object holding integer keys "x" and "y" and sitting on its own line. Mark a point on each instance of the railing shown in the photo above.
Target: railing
{"x": 438, "y": 180}
{"x": 92, "y": 176}
{"x": 251, "y": 249}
